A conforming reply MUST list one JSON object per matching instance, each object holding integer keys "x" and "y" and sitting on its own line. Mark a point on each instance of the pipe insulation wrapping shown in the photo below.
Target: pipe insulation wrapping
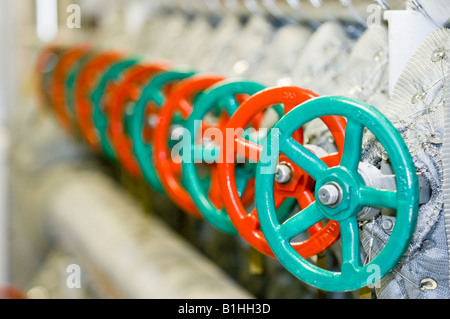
{"x": 446, "y": 162}
{"x": 137, "y": 254}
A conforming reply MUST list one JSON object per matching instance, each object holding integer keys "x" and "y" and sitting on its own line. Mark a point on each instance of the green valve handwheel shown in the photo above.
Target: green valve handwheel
{"x": 98, "y": 97}
{"x": 340, "y": 193}
{"x": 144, "y": 117}
{"x": 221, "y": 97}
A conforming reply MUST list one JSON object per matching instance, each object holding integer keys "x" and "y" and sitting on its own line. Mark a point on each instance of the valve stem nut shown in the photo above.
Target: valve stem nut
{"x": 330, "y": 194}
{"x": 283, "y": 174}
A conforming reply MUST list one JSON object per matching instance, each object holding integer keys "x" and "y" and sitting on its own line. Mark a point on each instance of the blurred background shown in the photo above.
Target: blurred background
{"x": 72, "y": 225}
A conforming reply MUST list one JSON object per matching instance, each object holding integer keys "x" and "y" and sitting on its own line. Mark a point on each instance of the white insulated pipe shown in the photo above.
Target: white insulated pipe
{"x": 137, "y": 256}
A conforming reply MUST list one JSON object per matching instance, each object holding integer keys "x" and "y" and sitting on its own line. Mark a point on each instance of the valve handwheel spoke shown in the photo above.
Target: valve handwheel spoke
{"x": 252, "y": 217}
{"x": 305, "y": 199}
{"x": 303, "y": 157}
{"x": 301, "y": 222}
{"x": 246, "y": 148}
{"x": 353, "y": 145}
{"x": 351, "y": 257}
{"x": 378, "y": 197}
{"x": 340, "y": 193}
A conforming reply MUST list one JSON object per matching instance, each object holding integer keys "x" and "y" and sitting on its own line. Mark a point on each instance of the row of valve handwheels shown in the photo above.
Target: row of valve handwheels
{"x": 231, "y": 151}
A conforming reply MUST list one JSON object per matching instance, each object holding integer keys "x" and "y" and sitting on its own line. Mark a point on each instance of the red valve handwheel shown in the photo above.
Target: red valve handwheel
{"x": 178, "y": 102}
{"x": 11, "y": 292}
{"x": 45, "y": 65}
{"x": 300, "y": 185}
{"x": 58, "y": 85}
{"x": 126, "y": 93}
{"x": 85, "y": 84}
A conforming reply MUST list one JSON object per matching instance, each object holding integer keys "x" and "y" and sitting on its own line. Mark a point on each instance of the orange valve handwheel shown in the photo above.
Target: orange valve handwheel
{"x": 100, "y": 95}
{"x": 124, "y": 97}
{"x": 85, "y": 84}
{"x": 292, "y": 182}
{"x": 11, "y": 292}
{"x": 178, "y": 104}
{"x": 70, "y": 86}
{"x": 58, "y": 85}
{"x": 45, "y": 66}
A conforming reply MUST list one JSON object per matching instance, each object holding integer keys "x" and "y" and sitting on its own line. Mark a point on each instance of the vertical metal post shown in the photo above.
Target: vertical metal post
{"x": 7, "y": 95}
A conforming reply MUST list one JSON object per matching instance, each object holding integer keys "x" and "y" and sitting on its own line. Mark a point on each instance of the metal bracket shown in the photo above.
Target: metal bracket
{"x": 385, "y": 179}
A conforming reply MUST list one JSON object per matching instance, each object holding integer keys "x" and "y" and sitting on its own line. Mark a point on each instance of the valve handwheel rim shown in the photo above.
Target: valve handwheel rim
{"x": 86, "y": 82}
{"x": 147, "y": 108}
{"x": 178, "y": 102}
{"x": 355, "y": 195}
{"x": 100, "y": 97}
{"x": 70, "y": 87}
{"x": 291, "y": 180}
{"x": 45, "y": 67}
{"x": 127, "y": 93}
{"x": 59, "y": 90}
{"x": 225, "y": 94}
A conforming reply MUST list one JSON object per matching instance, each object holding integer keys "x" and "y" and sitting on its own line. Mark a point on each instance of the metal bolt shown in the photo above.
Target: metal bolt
{"x": 428, "y": 284}
{"x": 378, "y": 56}
{"x": 283, "y": 174}
{"x": 330, "y": 194}
{"x": 428, "y": 244}
{"x": 438, "y": 55}
{"x": 356, "y": 89}
{"x": 241, "y": 66}
{"x": 385, "y": 157}
{"x": 152, "y": 120}
{"x": 387, "y": 224}
{"x": 418, "y": 97}
{"x": 177, "y": 132}
{"x": 330, "y": 140}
